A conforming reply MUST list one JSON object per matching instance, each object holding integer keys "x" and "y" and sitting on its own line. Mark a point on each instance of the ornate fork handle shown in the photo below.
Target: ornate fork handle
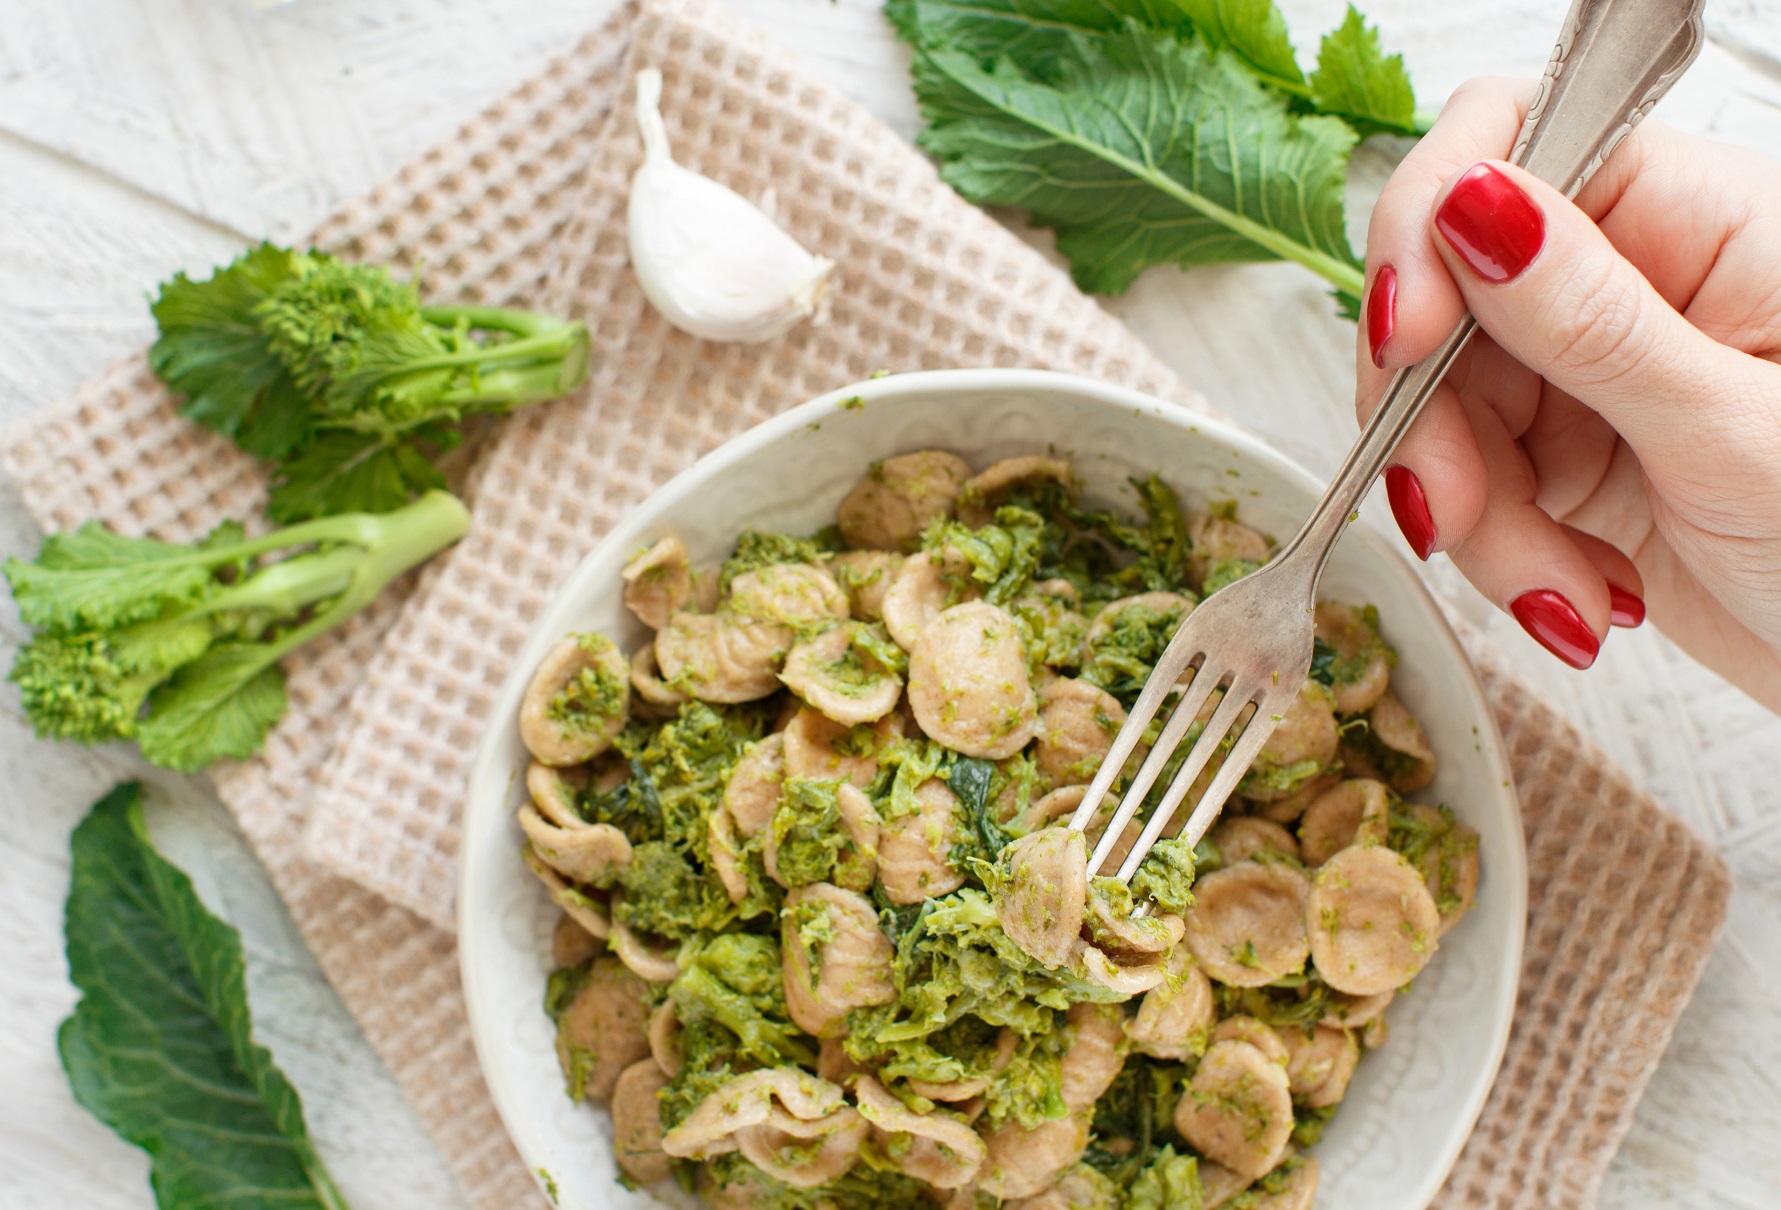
{"x": 1613, "y": 61}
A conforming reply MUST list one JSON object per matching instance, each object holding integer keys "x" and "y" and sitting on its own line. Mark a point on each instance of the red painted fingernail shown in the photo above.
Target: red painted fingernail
{"x": 1411, "y": 508}
{"x": 1557, "y": 626}
{"x": 1626, "y": 609}
{"x": 1491, "y": 223}
{"x": 1382, "y": 308}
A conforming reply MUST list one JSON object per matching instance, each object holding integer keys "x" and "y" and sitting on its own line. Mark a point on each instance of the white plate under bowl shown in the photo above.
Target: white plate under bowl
{"x": 1412, "y": 1103}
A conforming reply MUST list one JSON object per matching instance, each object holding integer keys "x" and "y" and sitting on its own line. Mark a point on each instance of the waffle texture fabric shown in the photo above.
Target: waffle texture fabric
{"x": 353, "y": 804}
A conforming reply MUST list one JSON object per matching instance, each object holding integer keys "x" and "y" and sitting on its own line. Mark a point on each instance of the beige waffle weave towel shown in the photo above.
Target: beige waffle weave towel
{"x": 353, "y": 805}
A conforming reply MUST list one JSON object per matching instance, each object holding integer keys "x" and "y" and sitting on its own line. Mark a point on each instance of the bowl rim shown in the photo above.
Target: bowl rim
{"x": 483, "y": 770}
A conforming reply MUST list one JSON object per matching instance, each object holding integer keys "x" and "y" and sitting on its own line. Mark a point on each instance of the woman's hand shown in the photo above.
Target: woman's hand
{"x": 1611, "y": 441}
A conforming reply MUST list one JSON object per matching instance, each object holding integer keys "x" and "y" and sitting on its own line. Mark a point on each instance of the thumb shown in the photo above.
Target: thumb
{"x": 1547, "y": 285}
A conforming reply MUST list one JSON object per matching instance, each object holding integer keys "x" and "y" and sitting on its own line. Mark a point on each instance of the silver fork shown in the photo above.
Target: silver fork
{"x": 1253, "y": 638}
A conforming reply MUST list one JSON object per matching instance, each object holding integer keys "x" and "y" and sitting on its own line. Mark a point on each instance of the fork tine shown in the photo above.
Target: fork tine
{"x": 1211, "y": 804}
{"x": 1180, "y": 719}
{"x": 1176, "y": 658}
{"x": 1198, "y": 757}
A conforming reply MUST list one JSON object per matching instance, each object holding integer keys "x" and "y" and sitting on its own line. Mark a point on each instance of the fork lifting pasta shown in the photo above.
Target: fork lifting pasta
{"x": 827, "y": 940}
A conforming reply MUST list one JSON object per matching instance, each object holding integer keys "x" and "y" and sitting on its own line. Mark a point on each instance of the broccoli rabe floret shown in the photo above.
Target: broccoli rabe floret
{"x": 807, "y": 830}
{"x": 730, "y": 1003}
{"x": 1000, "y": 558}
{"x": 1169, "y": 1182}
{"x": 756, "y": 549}
{"x": 177, "y": 646}
{"x": 667, "y": 896}
{"x": 338, "y": 373}
{"x": 1167, "y": 875}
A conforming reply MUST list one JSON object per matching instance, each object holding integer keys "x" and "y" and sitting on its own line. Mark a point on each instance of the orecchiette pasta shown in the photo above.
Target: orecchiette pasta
{"x": 827, "y": 939}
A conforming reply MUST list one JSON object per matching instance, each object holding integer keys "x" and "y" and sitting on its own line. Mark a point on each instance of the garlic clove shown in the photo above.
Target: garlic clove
{"x": 711, "y": 262}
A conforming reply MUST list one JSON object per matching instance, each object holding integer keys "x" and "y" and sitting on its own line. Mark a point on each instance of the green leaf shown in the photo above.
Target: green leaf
{"x": 91, "y": 578}
{"x": 347, "y": 472}
{"x": 1358, "y": 81}
{"x": 1143, "y": 150}
{"x": 218, "y": 707}
{"x": 1255, "y": 32}
{"x": 1033, "y": 34}
{"x": 211, "y": 350}
{"x": 160, "y": 1047}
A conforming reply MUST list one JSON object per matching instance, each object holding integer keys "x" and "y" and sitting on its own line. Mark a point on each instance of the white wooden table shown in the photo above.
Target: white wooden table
{"x": 138, "y": 137}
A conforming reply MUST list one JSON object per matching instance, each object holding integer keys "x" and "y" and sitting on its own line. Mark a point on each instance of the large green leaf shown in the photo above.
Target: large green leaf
{"x": 1142, "y": 149}
{"x": 160, "y": 1047}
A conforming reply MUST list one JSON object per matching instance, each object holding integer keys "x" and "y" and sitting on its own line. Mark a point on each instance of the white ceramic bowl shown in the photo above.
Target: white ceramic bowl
{"x": 1412, "y": 1103}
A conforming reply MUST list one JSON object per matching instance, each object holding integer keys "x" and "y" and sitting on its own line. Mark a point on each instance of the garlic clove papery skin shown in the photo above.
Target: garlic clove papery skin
{"x": 710, "y": 261}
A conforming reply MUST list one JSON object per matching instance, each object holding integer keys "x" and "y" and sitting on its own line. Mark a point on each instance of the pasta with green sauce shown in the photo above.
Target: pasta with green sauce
{"x": 825, "y": 939}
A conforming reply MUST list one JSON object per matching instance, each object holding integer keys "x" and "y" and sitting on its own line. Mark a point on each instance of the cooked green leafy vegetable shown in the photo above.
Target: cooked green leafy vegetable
{"x": 177, "y": 647}
{"x": 1149, "y": 132}
{"x": 336, "y": 372}
{"x": 161, "y": 1047}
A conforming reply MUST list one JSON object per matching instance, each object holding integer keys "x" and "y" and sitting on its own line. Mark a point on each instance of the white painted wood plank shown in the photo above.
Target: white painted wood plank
{"x": 140, "y": 136}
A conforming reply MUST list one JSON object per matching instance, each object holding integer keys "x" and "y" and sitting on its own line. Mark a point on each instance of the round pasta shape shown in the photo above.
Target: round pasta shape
{"x": 725, "y": 848}
{"x": 1373, "y": 924}
{"x": 897, "y": 499}
{"x": 720, "y": 657}
{"x": 1312, "y": 1056}
{"x": 600, "y": 1032}
{"x": 652, "y": 963}
{"x": 1095, "y": 1055}
{"x": 1345, "y": 1054}
{"x": 1288, "y": 810}
{"x": 1021, "y": 1162}
{"x": 577, "y": 700}
{"x": 1237, "y": 1110}
{"x": 866, "y": 575}
{"x": 914, "y": 849}
{"x": 1247, "y": 925}
{"x": 826, "y": 980}
{"x": 935, "y": 1147}
{"x": 749, "y": 1100}
{"x": 1171, "y": 604}
{"x": 841, "y": 678}
{"x": 780, "y": 1146}
{"x": 584, "y": 909}
{"x": 1128, "y": 978}
{"x": 554, "y": 788}
{"x": 820, "y": 749}
{"x": 1407, "y": 763}
{"x": 1076, "y": 726}
{"x": 1079, "y": 1188}
{"x": 1175, "y": 1016}
{"x": 1042, "y": 908}
{"x": 1357, "y": 811}
{"x": 856, "y": 864}
{"x": 752, "y": 792}
{"x": 977, "y": 501}
{"x": 1260, "y": 1035}
{"x": 918, "y": 593}
{"x": 588, "y": 852}
{"x": 1297, "y": 1192}
{"x": 1218, "y": 1184}
{"x": 637, "y": 1123}
{"x": 647, "y": 682}
{"x": 968, "y": 684}
{"x": 1302, "y": 744}
{"x": 797, "y": 595}
{"x": 658, "y": 582}
{"x": 1241, "y": 837}
{"x": 1352, "y": 1012}
{"x": 1216, "y": 538}
{"x": 663, "y": 1034}
{"x": 572, "y": 943}
{"x": 1362, "y": 664}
